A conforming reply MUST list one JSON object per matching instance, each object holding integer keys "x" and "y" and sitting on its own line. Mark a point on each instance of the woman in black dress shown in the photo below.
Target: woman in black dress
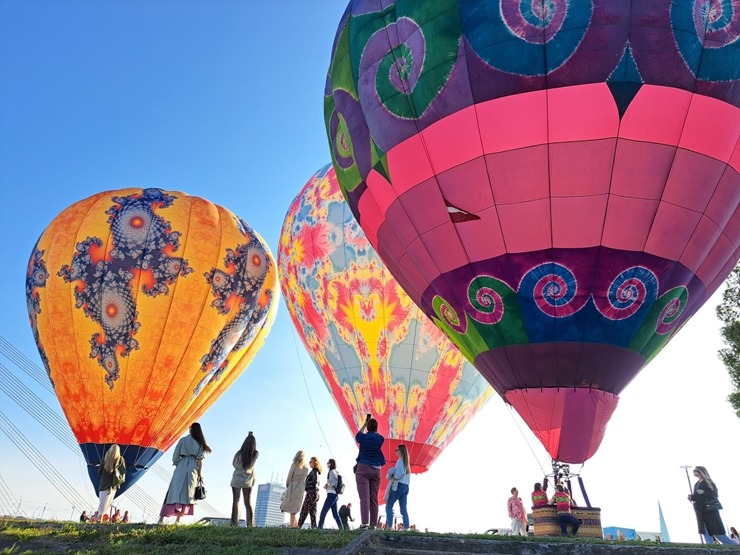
{"x": 707, "y": 507}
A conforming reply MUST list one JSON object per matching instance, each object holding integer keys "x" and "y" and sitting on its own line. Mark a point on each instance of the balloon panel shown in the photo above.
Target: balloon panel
{"x": 557, "y": 188}
{"x": 375, "y": 349}
{"x": 145, "y": 304}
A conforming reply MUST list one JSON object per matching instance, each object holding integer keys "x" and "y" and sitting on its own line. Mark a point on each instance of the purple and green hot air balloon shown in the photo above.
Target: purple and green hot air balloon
{"x": 554, "y": 183}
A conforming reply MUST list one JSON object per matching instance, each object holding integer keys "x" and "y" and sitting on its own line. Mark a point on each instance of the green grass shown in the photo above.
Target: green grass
{"x": 20, "y": 537}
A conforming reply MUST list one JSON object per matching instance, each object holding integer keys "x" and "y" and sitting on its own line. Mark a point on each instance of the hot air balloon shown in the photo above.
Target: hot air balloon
{"x": 146, "y": 305}
{"x": 554, "y": 183}
{"x": 377, "y": 352}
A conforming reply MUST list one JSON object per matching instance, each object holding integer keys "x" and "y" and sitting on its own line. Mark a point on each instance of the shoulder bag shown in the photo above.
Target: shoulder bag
{"x": 200, "y": 490}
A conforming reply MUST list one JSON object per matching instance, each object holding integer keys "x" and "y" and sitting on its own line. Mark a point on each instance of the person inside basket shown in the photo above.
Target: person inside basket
{"x": 563, "y": 504}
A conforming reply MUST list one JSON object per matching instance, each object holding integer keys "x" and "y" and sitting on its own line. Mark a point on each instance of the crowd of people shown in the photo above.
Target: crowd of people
{"x": 303, "y": 484}
{"x": 301, "y": 497}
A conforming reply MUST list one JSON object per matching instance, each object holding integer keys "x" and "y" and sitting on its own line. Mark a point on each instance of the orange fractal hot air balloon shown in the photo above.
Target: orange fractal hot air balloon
{"x": 146, "y": 305}
{"x": 377, "y": 352}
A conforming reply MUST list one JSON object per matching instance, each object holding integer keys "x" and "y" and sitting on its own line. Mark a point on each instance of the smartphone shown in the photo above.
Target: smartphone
{"x": 369, "y": 416}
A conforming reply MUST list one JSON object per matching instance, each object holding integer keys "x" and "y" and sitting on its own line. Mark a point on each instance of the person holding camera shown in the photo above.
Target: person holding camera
{"x": 370, "y": 460}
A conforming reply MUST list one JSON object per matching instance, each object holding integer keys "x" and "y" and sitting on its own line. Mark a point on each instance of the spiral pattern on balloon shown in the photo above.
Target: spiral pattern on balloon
{"x": 534, "y": 20}
{"x": 341, "y": 141}
{"x": 671, "y": 311}
{"x": 256, "y": 262}
{"x": 116, "y": 308}
{"x": 629, "y": 291}
{"x": 716, "y": 29}
{"x": 553, "y": 288}
{"x": 401, "y": 49}
{"x": 718, "y": 21}
{"x": 447, "y": 313}
{"x": 349, "y": 135}
{"x": 488, "y": 306}
{"x": 561, "y": 24}
{"x": 132, "y": 224}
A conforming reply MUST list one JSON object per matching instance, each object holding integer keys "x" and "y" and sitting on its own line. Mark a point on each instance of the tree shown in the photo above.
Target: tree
{"x": 729, "y": 312}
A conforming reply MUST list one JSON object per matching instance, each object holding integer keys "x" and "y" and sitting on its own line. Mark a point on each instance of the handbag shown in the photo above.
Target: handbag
{"x": 119, "y": 476}
{"x": 713, "y": 506}
{"x": 200, "y": 490}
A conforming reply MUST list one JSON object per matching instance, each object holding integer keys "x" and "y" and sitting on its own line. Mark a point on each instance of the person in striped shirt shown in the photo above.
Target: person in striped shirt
{"x": 563, "y": 503}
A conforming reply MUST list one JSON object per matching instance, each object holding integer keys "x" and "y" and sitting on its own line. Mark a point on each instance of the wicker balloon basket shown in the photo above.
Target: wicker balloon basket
{"x": 546, "y": 521}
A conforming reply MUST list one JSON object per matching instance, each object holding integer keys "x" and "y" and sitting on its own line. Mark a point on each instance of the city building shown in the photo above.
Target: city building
{"x": 267, "y": 507}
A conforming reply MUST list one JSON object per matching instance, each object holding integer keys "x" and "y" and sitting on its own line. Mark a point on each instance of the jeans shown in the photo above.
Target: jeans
{"x": 566, "y": 518}
{"x": 721, "y": 538}
{"x": 368, "y": 484}
{"x": 400, "y": 495}
{"x": 330, "y": 503}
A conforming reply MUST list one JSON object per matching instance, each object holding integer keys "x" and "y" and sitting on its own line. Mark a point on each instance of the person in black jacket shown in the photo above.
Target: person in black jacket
{"x": 707, "y": 507}
{"x": 311, "y": 500}
{"x": 345, "y": 513}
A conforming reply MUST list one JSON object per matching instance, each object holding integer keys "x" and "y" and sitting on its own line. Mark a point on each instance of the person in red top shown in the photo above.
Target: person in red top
{"x": 539, "y": 496}
{"x": 517, "y": 514}
{"x": 563, "y": 502}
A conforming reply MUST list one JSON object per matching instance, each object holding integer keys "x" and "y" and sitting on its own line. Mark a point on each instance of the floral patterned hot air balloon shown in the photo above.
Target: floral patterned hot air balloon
{"x": 554, "y": 183}
{"x": 146, "y": 305}
{"x": 375, "y": 349}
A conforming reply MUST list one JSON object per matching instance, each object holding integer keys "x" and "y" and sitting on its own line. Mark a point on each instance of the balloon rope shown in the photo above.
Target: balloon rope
{"x": 348, "y": 484}
{"x": 308, "y": 392}
{"x": 511, "y": 412}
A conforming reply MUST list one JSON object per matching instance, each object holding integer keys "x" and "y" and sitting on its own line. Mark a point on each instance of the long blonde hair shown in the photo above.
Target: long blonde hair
{"x": 405, "y": 458}
{"x": 300, "y": 459}
{"x": 317, "y": 464}
{"x": 704, "y": 475}
{"x": 112, "y": 458}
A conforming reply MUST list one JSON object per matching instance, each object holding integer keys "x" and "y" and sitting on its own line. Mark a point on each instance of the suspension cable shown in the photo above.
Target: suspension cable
{"x": 53, "y": 422}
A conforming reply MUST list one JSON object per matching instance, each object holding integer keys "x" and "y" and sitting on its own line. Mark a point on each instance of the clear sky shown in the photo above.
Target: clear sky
{"x": 223, "y": 99}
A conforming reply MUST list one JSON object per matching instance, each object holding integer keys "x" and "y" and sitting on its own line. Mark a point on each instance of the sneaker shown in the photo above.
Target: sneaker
{"x": 363, "y": 527}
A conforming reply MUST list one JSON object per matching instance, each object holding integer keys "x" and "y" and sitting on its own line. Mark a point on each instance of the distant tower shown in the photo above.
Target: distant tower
{"x": 267, "y": 509}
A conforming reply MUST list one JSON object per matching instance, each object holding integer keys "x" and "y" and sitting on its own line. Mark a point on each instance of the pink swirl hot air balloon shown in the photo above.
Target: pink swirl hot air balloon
{"x": 556, "y": 184}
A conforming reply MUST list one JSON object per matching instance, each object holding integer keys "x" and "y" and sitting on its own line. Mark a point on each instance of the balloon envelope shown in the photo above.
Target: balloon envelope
{"x": 146, "y": 305}
{"x": 555, "y": 184}
{"x": 377, "y": 352}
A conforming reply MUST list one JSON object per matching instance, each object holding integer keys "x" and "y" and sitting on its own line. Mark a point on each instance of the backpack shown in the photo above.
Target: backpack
{"x": 340, "y": 484}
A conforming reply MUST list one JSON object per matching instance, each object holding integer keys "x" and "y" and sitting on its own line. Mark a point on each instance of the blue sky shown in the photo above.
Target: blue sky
{"x": 223, "y": 99}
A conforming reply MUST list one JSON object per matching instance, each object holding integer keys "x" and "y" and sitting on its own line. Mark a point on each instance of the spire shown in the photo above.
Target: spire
{"x": 663, "y": 528}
